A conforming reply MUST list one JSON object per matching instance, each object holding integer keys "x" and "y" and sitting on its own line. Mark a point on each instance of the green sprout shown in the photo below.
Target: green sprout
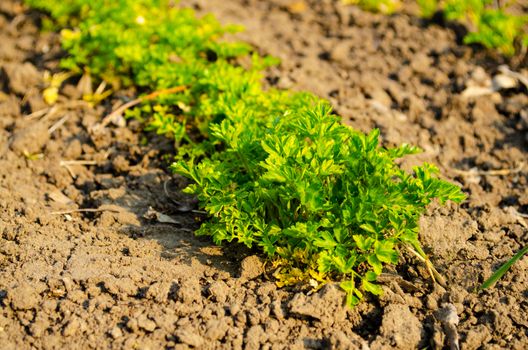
{"x": 503, "y": 269}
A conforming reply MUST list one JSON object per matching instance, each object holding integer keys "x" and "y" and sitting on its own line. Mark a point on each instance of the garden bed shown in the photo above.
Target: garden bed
{"x": 123, "y": 277}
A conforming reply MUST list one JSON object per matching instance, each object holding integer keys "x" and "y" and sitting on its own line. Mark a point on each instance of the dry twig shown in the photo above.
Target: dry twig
{"x": 68, "y": 163}
{"x": 40, "y": 112}
{"x": 77, "y": 162}
{"x": 58, "y": 123}
{"x": 119, "y": 111}
{"x": 435, "y": 275}
{"x": 84, "y": 210}
{"x": 495, "y": 172}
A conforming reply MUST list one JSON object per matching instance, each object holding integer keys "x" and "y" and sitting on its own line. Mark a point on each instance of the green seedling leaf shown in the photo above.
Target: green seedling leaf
{"x": 363, "y": 243}
{"x": 371, "y": 287}
{"x": 376, "y": 264}
{"x": 385, "y": 252}
{"x": 503, "y": 269}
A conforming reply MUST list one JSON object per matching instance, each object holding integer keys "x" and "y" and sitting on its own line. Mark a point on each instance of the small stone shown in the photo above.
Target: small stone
{"x": 480, "y": 77}
{"x": 68, "y": 283}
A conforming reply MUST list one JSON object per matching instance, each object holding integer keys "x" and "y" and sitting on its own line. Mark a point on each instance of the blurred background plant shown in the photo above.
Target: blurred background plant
{"x": 382, "y": 6}
{"x": 490, "y": 23}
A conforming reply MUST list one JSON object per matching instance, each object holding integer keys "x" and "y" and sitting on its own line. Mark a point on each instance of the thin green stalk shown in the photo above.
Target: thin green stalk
{"x": 503, "y": 269}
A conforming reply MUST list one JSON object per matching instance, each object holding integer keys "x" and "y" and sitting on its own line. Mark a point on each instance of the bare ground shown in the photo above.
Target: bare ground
{"x": 119, "y": 278}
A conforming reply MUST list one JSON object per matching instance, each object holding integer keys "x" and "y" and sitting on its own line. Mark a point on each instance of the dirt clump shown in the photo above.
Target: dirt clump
{"x": 31, "y": 139}
{"x": 251, "y": 267}
{"x": 327, "y": 306}
{"x": 400, "y": 329}
{"x": 20, "y": 76}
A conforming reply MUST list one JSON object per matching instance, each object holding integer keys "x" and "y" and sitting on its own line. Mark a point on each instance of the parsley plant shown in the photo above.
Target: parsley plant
{"x": 273, "y": 169}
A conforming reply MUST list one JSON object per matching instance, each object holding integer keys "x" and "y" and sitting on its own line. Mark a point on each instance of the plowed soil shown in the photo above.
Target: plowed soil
{"x": 96, "y": 241}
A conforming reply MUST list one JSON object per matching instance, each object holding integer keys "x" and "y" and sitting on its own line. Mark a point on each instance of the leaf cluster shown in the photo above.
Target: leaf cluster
{"x": 273, "y": 169}
{"x": 152, "y": 45}
{"x": 324, "y": 200}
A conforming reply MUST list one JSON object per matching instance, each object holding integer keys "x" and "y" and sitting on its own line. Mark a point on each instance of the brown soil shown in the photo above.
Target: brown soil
{"x": 122, "y": 278}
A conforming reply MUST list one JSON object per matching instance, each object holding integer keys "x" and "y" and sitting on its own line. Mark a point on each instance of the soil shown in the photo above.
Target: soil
{"x": 127, "y": 272}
